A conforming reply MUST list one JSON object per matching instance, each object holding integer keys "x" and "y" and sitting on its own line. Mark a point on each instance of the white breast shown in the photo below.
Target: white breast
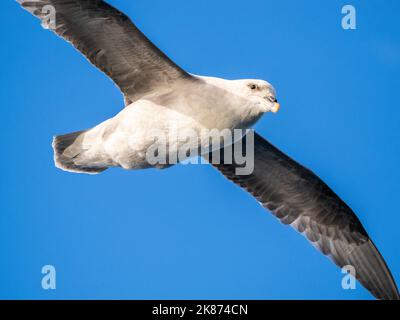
{"x": 182, "y": 119}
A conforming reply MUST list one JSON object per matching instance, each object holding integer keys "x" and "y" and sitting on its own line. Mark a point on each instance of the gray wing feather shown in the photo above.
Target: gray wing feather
{"x": 111, "y": 42}
{"x": 297, "y": 197}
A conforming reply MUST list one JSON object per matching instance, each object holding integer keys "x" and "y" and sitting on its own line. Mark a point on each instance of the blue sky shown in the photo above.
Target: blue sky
{"x": 186, "y": 232}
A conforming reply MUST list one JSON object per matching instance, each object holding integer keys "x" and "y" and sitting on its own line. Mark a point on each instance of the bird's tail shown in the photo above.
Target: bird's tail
{"x": 70, "y": 154}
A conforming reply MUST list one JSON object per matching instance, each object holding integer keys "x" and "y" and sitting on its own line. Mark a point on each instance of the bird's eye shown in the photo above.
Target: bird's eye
{"x": 253, "y": 86}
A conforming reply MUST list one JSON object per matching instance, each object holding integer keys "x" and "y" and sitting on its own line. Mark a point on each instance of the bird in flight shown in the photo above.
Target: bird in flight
{"x": 160, "y": 95}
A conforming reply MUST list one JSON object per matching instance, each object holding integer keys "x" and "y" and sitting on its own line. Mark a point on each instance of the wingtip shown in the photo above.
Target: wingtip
{"x": 382, "y": 283}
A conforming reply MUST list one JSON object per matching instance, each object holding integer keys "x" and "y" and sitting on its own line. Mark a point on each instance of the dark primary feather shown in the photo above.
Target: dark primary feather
{"x": 112, "y": 43}
{"x": 299, "y": 198}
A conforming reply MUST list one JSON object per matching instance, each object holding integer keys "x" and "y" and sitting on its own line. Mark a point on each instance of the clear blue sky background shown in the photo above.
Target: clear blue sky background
{"x": 186, "y": 232}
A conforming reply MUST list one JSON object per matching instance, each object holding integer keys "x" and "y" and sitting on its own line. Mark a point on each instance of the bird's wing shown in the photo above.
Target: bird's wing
{"x": 299, "y": 198}
{"x": 111, "y": 42}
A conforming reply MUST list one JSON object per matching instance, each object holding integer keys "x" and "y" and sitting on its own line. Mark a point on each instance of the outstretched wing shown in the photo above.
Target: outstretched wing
{"x": 110, "y": 41}
{"x": 299, "y": 198}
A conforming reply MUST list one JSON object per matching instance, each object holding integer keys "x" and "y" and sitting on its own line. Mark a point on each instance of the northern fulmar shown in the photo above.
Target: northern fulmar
{"x": 160, "y": 95}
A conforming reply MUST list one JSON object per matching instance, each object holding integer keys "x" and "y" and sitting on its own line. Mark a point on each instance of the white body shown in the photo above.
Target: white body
{"x": 208, "y": 103}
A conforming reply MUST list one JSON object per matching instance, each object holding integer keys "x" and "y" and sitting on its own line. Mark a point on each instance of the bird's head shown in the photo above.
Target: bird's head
{"x": 262, "y": 93}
